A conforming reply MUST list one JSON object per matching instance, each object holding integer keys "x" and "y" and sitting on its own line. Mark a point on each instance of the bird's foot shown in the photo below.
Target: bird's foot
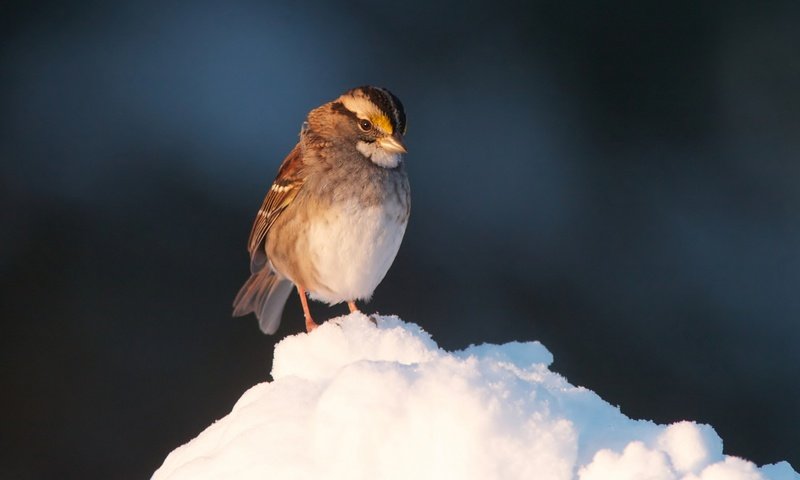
{"x": 310, "y": 324}
{"x": 354, "y": 308}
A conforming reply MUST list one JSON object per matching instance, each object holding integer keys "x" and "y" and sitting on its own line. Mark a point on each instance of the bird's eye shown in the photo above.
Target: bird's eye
{"x": 365, "y": 125}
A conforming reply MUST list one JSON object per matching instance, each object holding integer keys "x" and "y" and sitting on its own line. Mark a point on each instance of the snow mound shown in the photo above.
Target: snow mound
{"x": 356, "y": 401}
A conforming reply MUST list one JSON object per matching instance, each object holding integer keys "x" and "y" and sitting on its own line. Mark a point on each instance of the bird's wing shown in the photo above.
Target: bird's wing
{"x": 283, "y": 191}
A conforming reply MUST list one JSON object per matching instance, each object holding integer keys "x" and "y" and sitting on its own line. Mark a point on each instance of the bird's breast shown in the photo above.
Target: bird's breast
{"x": 351, "y": 247}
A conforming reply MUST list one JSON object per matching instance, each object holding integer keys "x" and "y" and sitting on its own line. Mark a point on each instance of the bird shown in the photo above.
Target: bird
{"x": 333, "y": 219}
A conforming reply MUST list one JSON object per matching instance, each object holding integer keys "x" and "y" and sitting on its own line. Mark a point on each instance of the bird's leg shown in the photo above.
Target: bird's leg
{"x": 353, "y": 307}
{"x": 310, "y": 323}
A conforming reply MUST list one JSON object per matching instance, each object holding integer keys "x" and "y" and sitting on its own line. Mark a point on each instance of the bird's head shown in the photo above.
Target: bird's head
{"x": 371, "y": 119}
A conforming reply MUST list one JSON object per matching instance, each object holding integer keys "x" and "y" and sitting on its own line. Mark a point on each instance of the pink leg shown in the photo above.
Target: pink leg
{"x": 310, "y": 323}
{"x": 353, "y": 307}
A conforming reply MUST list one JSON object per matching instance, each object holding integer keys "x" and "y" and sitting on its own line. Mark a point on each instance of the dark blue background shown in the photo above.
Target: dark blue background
{"x": 619, "y": 180}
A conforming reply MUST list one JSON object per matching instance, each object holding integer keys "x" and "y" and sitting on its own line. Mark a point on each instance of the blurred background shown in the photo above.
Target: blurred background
{"x": 619, "y": 180}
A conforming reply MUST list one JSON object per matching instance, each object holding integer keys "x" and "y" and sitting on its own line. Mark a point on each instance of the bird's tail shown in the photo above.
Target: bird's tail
{"x": 264, "y": 294}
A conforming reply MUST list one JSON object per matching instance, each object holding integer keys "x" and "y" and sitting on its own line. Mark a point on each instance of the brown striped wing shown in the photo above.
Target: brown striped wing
{"x": 281, "y": 194}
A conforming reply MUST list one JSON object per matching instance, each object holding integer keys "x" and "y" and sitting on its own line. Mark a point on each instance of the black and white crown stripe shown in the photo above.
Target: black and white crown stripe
{"x": 389, "y": 104}
{"x": 380, "y": 99}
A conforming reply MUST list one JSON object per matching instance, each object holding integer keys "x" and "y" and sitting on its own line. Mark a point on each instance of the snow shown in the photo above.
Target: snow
{"x": 353, "y": 400}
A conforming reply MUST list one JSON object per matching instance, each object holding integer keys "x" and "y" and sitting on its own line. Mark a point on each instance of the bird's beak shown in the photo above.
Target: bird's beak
{"x": 392, "y": 145}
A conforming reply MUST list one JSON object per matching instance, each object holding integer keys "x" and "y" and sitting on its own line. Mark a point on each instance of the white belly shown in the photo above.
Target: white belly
{"x": 351, "y": 249}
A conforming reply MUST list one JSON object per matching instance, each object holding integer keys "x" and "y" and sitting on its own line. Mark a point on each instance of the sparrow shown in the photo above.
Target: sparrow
{"x": 333, "y": 219}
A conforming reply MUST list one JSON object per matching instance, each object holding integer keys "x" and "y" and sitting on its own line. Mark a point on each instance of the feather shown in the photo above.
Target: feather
{"x": 281, "y": 194}
{"x": 264, "y": 294}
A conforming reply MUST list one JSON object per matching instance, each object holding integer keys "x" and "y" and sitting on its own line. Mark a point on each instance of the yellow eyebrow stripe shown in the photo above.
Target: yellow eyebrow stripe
{"x": 364, "y": 108}
{"x": 383, "y": 123}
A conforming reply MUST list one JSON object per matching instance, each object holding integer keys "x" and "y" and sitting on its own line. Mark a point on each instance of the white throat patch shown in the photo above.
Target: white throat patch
{"x": 379, "y": 156}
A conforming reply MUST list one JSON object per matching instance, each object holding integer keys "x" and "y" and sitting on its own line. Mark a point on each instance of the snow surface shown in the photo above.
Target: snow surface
{"x": 356, "y": 401}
